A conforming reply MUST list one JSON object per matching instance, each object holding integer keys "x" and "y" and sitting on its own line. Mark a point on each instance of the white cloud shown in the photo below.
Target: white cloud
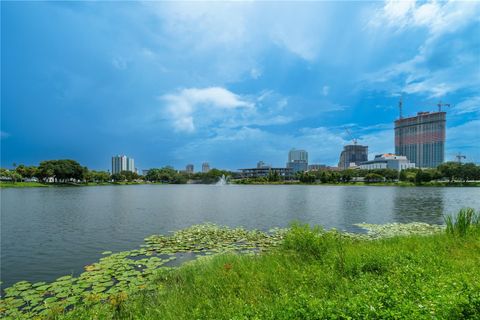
{"x": 239, "y": 32}
{"x": 443, "y": 64}
{"x": 438, "y": 17}
{"x": 398, "y": 12}
{"x": 471, "y": 105}
{"x": 182, "y": 106}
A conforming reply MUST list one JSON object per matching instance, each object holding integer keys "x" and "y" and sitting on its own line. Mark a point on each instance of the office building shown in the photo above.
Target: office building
{"x": 122, "y": 163}
{"x": 205, "y": 167}
{"x": 352, "y": 155}
{"x": 422, "y": 138}
{"x": 189, "y": 168}
{"x": 297, "y": 160}
{"x": 387, "y": 161}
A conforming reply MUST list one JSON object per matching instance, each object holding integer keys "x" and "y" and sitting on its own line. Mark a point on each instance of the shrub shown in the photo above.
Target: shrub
{"x": 314, "y": 242}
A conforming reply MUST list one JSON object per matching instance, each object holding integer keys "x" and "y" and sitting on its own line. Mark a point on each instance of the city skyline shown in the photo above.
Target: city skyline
{"x": 232, "y": 83}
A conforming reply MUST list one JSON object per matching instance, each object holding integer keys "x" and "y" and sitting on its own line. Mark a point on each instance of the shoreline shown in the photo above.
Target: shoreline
{"x": 7, "y": 185}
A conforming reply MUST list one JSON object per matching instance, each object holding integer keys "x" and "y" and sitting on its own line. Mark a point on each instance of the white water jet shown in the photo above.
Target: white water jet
{"x": 223, "y": 181}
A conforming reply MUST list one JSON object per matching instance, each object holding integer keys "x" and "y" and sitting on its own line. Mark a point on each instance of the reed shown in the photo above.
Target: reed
{"x": 466, "y": 221}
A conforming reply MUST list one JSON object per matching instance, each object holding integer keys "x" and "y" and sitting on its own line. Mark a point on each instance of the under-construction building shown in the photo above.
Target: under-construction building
{"x": 421, "y": 138}
{"x": 353, "y": 155}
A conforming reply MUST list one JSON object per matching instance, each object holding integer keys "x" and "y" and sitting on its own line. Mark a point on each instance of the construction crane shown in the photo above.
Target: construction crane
{"x": 459, "y": 157}
{"x": 440, "y": 105}
{"x": 351, "y": 136}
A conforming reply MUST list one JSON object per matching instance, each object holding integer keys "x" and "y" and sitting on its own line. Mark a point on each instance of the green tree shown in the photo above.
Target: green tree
{"x": 347, "y": 175}
{"x": 273, "y": 176}
{"x": 374, "y": 177}
{"x": 450, "y": 170}
{"x": 468, "y": 171}
{"x": 118, "y": 177}
{"x": 423, "y": 176}
{"x": 61, "y": 170}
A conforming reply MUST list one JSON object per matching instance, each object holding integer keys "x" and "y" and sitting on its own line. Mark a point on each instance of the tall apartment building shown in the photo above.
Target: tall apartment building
{"x": 297, "y": 160}
{"x": 422, "y": 138}
{"x": 189, "y": 168}
{"x": 353, "y": 155}
{"x": 205, "y": 167}
{"x": 122, "y": 163}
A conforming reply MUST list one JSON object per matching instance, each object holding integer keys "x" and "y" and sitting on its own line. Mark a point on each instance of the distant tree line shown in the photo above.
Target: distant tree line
{"x": 70, "y": 171}
{"x": 449, "y": 171}
{"x": 170, "y": 175}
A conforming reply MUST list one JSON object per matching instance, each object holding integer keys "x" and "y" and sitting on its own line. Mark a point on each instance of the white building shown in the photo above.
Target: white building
{"x": 122, "y": 163}
{"x": 387, "y": 161}
{"x": 205, "y": 167}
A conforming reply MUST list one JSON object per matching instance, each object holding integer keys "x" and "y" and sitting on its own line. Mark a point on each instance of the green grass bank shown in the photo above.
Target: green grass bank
{"x": 379, "y": 184}
{"x": 88, "y": 184}
{"x": 312, "y": 277}
{"x": 412, "y": 271}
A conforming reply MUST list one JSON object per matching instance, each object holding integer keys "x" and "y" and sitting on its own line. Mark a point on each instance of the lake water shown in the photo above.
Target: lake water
{"x": 51, "y": 232}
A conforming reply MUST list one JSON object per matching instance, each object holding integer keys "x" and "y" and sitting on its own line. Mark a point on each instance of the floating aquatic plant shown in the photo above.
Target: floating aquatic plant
{"x": 375, "y": 231}
{"x": 116, "y": 274}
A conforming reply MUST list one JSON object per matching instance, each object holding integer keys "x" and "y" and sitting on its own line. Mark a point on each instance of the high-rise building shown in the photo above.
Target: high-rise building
{"x": 297, "y": 155}
{"x": 189, "y": 168}
{"x": 205, "y": 167}
{"x": 353, "y": 155}
{"x": 297, "y": 160}
{"x": 422, "y": 138}
{"x": 122, "y": 163}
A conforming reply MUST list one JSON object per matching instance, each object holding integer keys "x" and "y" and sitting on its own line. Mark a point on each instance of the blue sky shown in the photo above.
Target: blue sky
{"x": 231, "y": 83}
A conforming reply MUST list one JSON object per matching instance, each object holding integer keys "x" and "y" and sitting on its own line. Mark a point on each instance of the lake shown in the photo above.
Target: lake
{"x": 50, "y": 232}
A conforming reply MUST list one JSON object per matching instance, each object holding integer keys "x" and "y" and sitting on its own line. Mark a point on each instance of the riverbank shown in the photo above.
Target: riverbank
{"x": 380, "y": 184}
{"x": 395, "y": 271}
{"x": 61, "y": 185}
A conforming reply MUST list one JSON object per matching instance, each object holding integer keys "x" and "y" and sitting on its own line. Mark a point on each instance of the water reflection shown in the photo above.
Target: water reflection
{"x": 410, "y": 205}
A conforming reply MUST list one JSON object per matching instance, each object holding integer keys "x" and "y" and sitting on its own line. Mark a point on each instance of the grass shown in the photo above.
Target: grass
{"x": 467, "y": 221}
{"x": 318, "y": 275}
{"x": 370, "y": 184}
{"x": 4, "y": 184}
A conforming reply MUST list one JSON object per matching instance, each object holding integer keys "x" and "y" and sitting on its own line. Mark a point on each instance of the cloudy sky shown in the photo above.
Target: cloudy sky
{"x": 231, "y": 83}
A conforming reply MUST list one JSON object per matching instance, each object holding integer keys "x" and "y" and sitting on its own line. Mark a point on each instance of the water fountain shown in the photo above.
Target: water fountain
{"x": 223, "y": 181}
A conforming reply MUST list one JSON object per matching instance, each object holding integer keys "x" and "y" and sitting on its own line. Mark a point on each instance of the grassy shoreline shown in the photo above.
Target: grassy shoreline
{"x": 376, "y": 184}
{"x": 385, "y": 279}
{"x": 395, "y": 271}
{"x": 66, "y": 185}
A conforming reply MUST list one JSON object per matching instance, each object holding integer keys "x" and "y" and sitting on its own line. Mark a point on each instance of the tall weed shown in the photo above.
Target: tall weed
{"x": 465, "y": 222}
